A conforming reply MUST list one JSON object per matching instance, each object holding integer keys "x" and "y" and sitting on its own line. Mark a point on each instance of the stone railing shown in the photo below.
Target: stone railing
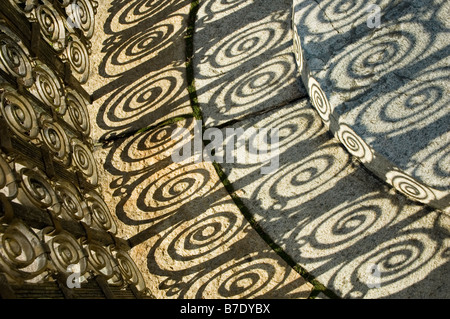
{"x": 57, "y": 236}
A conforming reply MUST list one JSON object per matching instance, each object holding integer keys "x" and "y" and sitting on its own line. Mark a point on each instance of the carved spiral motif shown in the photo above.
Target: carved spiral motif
{"x": 65, "y": 250}
{"x": 354, "y": 144}
{"x": 82, "y": 16}
{"x": 72, "y": 204}
{"x": 77, "y": 112}
{"x": 84, "y": 160}
{"x": 8, "y": 185}
{"x": 14, "y": 57}
{"x": 52, "y": 25}
{"x": 102, "y": 262}
{"x": 22, "y": 255}
{"x": 77, "y": 54}
{"x": 36, "y": 191}
{"x": 409, "y": 186}
{"x": 49, "y": 89}
{"x": 100, "y": 213}
{"x": 55, "y": 138}
{"x": 319, "y": 99}
{"x": 129, "y": 270}
{"x": 19, "y": 115}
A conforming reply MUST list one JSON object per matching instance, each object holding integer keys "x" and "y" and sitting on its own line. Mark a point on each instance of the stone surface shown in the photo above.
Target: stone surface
{"x": 138, "y": 77}
{"x": 243, "y": 59}
{"x": 335, "y": 219}
{"x": 190, "y": 239}
{"x": 389, "y": 85}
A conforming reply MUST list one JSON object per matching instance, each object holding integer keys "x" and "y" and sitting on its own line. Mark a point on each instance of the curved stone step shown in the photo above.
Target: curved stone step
{"x": 382, "y": 91}
{"x": 352, "y": 232}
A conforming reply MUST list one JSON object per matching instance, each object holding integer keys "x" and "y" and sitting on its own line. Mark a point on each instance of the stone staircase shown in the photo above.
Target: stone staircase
{"x": 357, "y": 205}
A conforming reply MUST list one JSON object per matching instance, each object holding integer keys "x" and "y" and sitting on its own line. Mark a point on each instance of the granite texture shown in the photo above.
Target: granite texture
{"x": 337, "y": 220}
{"x": 189, "y": 238}
{"x": 387, "y": 87}
{"x": 243, "y": 61}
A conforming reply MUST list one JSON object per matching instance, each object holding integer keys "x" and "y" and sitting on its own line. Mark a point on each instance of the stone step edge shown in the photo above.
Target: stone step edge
{"x": 377, "y": 163}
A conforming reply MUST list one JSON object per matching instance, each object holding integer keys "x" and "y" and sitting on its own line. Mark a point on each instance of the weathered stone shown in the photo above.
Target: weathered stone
{"x": 138, "y": 78}
{"x": 243, "y": 61}
{"x": 387, "y": 86}
{"x": 338, "y": 221}
{"x": 189, "y": 238}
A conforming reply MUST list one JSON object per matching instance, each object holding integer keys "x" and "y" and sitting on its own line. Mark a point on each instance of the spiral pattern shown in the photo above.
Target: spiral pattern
{"x": 370, "y": 58}
{"x": 237, "y": 48}
{"x": 22, "y": 255}
{"x": 102, "y": 262}
{"x": 252, "y": 89}
{"x": 409, "y": 108}
{"x": 73, "y": 206}
{"x": 100, "y": 213}
{"x": 319, "y": 99}
{"x": 354, "y": 144}
{"x": 65, "y": 250}
{"x": 77, "y": 54}
{"x": 14, "y": 57}
{"x": 55, "y": 138}
{"x": 129, "y": 270}
{"x": 242, "y": 278}
{"x": 298, "y": 52}
{"x": 77, "y": 112}
{"x": 19, "y": 115}
{"x": 400, "y": 262}
{"x": 36, "y": 190}
{"x": 410, "y": 187}
{"x": 81, "y": 15}
{"x": 84, "y": 160}
{"x": 49, "y": 89}
{"x": 52, "y": 25}
{"x": 198, "y": 239}
{"x": 168, "y": 192}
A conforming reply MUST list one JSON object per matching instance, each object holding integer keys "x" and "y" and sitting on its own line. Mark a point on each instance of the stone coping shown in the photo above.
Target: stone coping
{"x": 383, "y": 92}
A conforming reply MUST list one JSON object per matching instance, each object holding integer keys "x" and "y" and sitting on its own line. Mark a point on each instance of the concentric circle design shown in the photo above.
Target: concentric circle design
{"x": 128, "y": 269}
{"x": 77, "y": 54}
{"x": 55, "y": 138}
{"x": 65, "y": 251}
{"x": 77, "y": 112}
{"x": 52, "y": 25}
{"x": 243, "y": 278}
{"x": 354, "y": 143}
{"x": 171, "y": 190}
{"x": 298, "y": 52}
{"x": 14, "y": 57}
{"x": 370, "y": 58}
{"x": 19, "y": 115}
{"x": 103, "y": 263}
{"x": 319, "y": 99}
{"x": 22, "y": 255}
{"x": 81, "y": 15}
{"x": 101, "y": 216}
{"x": 72, "y": 204}
{"x": 49, "y": 89}
{"x": 84, "y": 161}
{"x": 198, "y": 239}
{"x": 36, "y": 191}
{"x": 410, "y": 187}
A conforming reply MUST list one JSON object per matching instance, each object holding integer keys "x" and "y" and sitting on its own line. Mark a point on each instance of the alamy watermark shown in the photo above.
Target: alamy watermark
{"x": 374, "y": 18}
{"x": 249, "y": 146}
{"x": 374, "y": 279}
